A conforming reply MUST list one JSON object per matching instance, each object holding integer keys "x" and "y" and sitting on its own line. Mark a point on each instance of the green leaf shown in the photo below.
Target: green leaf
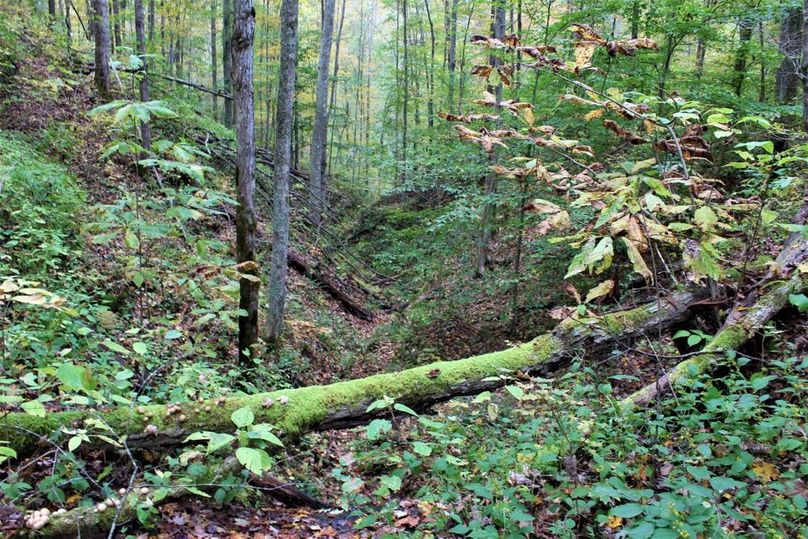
{"x": 219, "y": 440}
{"x": 422, "y": 448}
{"x": 130, "y": 239}
{"x": 35, "y": 408}
{"x": 800, "y": 301}
{"x": 74, "y": 443}
{"x": 406, "y": 409}
{"x": 393, "y": 482}
{"x": 243, "y": 417}
{"x": 705, "y": 218}
{"x": 257, "y": 461}
{"x": 172, "y": 335}
{"x": 140, "y": 348}
{"x": 725, "y": 483}
{"x": 377, "y": 427}
{"x": 262, "y": 431}
{"x": 75, "y": 377}
{"x": 515, "y": 391}
{"x": 115, "y": 347}
{"x": 627, "y": 510}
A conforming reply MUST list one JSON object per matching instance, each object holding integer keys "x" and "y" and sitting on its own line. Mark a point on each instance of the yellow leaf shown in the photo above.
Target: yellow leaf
{"x": 593, "y": 114}
{"x": 614, "y": 522}
{"x": 600, "y": 290}
{"x": 766, "y": 471}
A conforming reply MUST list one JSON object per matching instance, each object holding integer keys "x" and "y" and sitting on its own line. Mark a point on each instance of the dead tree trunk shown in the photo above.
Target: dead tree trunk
{"x": 344, "y": 404}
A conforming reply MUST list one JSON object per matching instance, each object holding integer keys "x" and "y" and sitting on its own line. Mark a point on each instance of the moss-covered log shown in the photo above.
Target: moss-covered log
{"x": 344, "y": 404}
{"x": 743, "y": 321}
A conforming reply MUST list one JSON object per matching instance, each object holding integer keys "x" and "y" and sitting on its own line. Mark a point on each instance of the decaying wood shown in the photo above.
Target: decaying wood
{"x": 344, "y": 404}
{"x": 747, "y": 317}
{"x": 87, "y": 522}
{"x": 297, "y": 262}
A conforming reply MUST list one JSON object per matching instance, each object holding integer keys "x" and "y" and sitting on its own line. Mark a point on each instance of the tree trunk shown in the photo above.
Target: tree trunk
{"x": 406, "y": 89}
{"x": 787, "y": 77}
{"x": 487, "y": 215}
{"x": 116, "y": 25}
{"x": 344, "y": 404}
{"x": 283, "y": 143}
{"x": 152, "y": 15}
{"x": 242, "y": 48}
{"x": 804, "y": 66}
{"x": 430, "y": 104}
{"x": 701, "y": 53}
{"x": 102, "y": 48}
{"x": 140, "y": 37}
{"x": 214, "y": 76}
{"x": 452, "y": 54}
{"x": 319, "y": 134}
{"x": 52, "y": 8}
{"x": 741, "y": 55}
{"x": 333, "y": 101}
{"x": 635, "y": 19}
{"x": 227, "y": 33}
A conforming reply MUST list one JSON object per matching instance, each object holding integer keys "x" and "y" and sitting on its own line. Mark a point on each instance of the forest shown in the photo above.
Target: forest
{"x": 403, "y": 268}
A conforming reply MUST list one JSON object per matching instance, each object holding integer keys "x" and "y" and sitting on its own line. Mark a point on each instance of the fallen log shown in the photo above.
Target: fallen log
{"x": 745, "y": 319}
{"x": 327, "y": 284}
{"x": 88, "y": 522}
{"x": 344, "y": 404}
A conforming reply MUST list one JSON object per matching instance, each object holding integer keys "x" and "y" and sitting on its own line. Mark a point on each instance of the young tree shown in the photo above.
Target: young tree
{"x": 487, "y": 215}
{"x": 213, "y": 54}
{"x": 804, "y": 66}
{"x": 283, "y": 157}
{"x": 102, "y": 47}
{"x": 227, "y": 35}
{"x": 140, "y": 37}
{"x": 319, "y": 134}
{"x": 242, "y": 47}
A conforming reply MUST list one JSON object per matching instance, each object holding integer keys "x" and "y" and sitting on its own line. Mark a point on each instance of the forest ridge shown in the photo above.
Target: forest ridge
{"x": 377, "y": 268}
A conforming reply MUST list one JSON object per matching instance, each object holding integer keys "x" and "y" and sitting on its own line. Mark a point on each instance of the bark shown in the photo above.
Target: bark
{"x": 242, "y": 48}
{"x": 804, "y": 66}
{"x": 452, "y": 53}
{"x": 487, "y": 215}
{"x": 741, "y": 55}
{"x": 214, "y": 76}
{"x": 283, "y": 161}
{"x": 743, "y": 322}
{"x": 319, "y": 134}
{"x": 102, "y": 48}
{"x": 140, "y": 36}
{"x": 701, "y": 53}
{"x": 52, "y": 8}
{"x": 787, "y": 77}
{"x": 344, "y": 404}
{"x": 152, "y": 14}
{"x": 406, "y": 88}
{"x": 116, "y": 25}
{"x": 431, "y": 75}
{"x": 227, "y": 32}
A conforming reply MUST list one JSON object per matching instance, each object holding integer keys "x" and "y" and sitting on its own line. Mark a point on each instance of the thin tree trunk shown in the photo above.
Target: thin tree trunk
{"x": 152, "y": 14}
{"x": 52, "y": 9}
{"x": 431, "y": 75}
{"x": 102, "y": 48}
{"x": 487, "y": 216}
{"x": 741, "y": 55}
{"x": 242, "y": 50}
{"x": 701, "y": 52}
{"x": 116, "y": 26}
{"x": 214, "y": 76}
{"x": 405, "y": 110}
{"x": 68, "y": 26}
{"x": 635, "y": 19}
{"x": 319, "y": 133}
{"x": 787, "y": 77}
{"x": 462, "y": 85}
{"x": 283, "y": 140}
{"x": 762, "y": 82}
{"x": 140, "y": 37}
{"x": 804, "y": 66}
{"x": 452, "y": 53}
{"x": 227, "y": 32}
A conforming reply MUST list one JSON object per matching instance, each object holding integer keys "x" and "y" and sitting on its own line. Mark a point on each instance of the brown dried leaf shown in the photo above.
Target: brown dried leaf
{"x": 623, "y": 133}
